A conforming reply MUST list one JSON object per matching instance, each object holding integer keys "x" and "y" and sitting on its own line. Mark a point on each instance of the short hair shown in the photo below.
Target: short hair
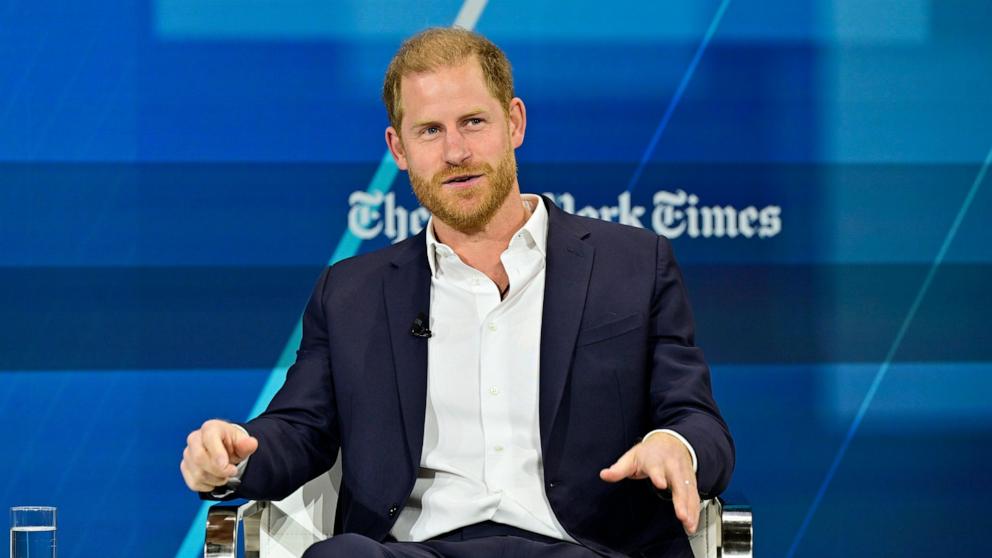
{"x": 441, "y": 47}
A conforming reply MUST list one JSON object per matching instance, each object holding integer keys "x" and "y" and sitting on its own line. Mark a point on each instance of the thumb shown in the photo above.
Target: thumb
{"x": 244, "y": 447}
{"x": 625, "y": 467}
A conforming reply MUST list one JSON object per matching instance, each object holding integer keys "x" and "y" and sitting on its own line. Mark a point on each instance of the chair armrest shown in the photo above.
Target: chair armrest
{"x": 737, "y": 531}
{"x": 724, "y": 531}
{"x": 222, "y": 529}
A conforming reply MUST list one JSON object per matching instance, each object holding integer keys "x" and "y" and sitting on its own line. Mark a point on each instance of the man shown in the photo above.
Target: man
{"x": 489, "y": 381}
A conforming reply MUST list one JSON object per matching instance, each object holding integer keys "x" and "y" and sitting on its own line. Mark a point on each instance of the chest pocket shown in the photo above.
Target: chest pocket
{"x": 609, "y": 330}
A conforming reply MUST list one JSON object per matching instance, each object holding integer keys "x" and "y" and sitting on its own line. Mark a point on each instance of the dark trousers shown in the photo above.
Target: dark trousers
{"x": 482, "y": 540}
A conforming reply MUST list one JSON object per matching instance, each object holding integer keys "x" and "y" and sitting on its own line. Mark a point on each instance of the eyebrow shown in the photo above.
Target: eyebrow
{"x": 474, "y": 112}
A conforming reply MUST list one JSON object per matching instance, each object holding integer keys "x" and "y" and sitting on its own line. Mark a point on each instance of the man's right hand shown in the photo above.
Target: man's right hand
{"x": 212, "y": 454}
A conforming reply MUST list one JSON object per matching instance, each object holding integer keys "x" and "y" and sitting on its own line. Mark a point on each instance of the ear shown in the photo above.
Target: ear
{"x": 395, "y": 145}
{"x": 517, "y": 115}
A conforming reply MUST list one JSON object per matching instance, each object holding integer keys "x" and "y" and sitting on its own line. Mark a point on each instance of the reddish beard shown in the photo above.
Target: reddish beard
{"x": 455, "y": 207}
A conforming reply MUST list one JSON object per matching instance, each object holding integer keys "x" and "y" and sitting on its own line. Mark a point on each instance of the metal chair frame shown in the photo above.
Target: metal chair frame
{"x": 725, "y": 530}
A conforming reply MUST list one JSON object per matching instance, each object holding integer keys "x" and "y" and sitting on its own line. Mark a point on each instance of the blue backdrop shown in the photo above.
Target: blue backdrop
{"x": 175, "y": 173}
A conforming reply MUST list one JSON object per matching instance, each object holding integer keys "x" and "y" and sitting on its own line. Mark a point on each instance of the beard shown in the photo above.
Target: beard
{"x": 469, "y": 210}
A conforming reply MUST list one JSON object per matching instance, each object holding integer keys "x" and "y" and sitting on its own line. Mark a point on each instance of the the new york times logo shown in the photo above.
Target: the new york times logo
{"x": 674, "y": 214}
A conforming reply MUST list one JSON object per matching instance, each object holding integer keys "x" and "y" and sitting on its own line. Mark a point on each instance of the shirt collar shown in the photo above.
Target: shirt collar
{"x": 534, "y": 232}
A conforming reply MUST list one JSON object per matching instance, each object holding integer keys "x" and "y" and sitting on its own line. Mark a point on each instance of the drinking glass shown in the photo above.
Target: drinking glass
{"x": 32, "y": 532}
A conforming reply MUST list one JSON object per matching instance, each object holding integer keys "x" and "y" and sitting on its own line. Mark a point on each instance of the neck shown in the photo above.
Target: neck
{"x": 495, "y": 236}
{"x": 482, "y": 249}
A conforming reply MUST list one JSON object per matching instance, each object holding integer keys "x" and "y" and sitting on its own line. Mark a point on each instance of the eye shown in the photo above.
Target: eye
{"x": 431, "y": 130}
{"x": 474, "y": 121}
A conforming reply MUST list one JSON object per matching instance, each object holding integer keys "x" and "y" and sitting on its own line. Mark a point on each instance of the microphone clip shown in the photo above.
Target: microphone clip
{"x": 419, "y": 327}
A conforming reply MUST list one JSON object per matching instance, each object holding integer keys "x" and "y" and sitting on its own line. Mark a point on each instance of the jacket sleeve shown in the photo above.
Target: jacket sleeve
{"x": 681, "y": 393}
{"x": 298, "y": 436}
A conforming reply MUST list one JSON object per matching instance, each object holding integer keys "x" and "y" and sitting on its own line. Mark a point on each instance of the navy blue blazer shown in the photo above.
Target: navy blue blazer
{"x": 617, "y": 360}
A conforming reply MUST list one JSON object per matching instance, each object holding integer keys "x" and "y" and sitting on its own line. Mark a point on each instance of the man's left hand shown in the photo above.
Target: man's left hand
{"x": 667, "y": 462}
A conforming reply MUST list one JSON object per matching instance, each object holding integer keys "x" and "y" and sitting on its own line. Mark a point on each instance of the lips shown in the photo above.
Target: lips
{"x": 463, "y": 179}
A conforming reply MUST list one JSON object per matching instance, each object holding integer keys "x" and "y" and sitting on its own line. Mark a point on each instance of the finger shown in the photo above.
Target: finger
{"x": 658, "y": 477}
{"x": 191, "y": 480}
{"x": 195, "y": 452}
{"x": 690, "y": 496}
{"x": 213, "y": 443}
{"x": 624, "y": 467}
{"x": 694, "y": 508}
{"x": 186, "y": 477}
{"x": 685, "y": 500}
{"x": 244, "y": 447}
{"x": 201, "y": 460}
{"x": 678, "y": 484}
{"x": 211, "y": 479}
{"x": 205, "y": 477}
{"x": 680, "y": 502}
{"x": 200, "y": 474}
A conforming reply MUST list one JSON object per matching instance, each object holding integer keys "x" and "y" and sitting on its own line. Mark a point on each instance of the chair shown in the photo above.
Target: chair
{"x": 286, "y": 528}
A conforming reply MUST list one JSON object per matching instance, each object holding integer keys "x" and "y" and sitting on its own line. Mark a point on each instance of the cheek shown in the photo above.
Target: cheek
{"x": 420, "y": 169}
{"x": 424, "y": 160}
{"x": 495, "y": 143}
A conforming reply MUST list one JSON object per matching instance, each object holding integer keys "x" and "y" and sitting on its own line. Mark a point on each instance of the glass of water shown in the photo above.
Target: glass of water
{"x": 32, "y": 532}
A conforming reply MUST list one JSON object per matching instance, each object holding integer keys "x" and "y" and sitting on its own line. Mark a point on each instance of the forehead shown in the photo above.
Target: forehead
{"x": 445, "y": 92}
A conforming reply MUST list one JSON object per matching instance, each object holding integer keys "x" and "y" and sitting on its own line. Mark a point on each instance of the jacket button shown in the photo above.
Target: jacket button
{"x": 551, "y": 485}
{"x": 392, "y": 510}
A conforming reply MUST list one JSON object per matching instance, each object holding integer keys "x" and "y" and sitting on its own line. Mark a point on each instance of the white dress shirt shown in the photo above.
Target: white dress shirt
{"x": 481, "y": 458}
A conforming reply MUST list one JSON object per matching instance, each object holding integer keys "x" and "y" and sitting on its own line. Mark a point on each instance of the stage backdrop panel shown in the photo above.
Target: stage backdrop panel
{"x": 174, "y": 174}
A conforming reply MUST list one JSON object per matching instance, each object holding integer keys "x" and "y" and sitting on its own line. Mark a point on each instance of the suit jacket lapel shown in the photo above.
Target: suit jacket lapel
{"x": 569, "y": 263}
{"x": 407, "y": 293}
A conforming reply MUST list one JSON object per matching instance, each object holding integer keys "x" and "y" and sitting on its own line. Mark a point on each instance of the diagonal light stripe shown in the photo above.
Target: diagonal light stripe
{"x": 382, "y": 181}
{"x": 470, "y": 13}
{"x": 679, "y": 92}
{"x": 893, "y": 349}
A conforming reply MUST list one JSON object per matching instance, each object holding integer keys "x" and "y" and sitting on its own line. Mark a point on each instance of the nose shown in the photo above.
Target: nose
{"x": 456, "y": 150}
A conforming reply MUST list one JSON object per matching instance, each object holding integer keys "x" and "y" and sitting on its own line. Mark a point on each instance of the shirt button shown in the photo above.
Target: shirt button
{"x": 492, "y": 326}
{"x": 475, "y": 281}
{"x": 494, "y": 390}
{"x": 498, "y": 448}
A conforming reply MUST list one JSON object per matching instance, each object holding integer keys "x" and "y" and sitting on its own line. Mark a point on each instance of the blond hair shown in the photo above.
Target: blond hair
{"x": 441, "y": 47}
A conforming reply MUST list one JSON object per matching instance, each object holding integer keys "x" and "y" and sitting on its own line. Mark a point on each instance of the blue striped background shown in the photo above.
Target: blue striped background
{"x": 173, "y": 176}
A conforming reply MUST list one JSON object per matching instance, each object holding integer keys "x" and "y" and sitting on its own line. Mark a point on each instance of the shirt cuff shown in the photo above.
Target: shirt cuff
{"x": 679, "y": 437}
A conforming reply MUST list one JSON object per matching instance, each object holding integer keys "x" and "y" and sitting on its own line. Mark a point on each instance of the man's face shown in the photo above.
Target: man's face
{"x": 456, "y": 142}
